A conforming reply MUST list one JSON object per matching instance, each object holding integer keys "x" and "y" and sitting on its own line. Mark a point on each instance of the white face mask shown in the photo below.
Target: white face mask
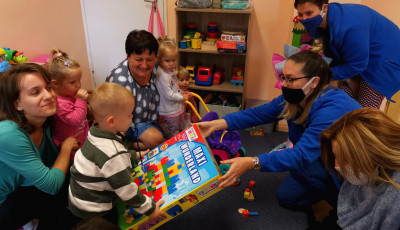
{"x": 351, "y": 177}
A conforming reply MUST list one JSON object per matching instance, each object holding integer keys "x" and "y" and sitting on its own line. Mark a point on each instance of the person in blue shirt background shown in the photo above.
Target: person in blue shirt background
{"x": 363, "y": 44}
{"x": 310, "y": 105}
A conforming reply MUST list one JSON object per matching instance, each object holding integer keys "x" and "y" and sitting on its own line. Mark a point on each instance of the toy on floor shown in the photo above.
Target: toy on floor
{"x": 245, "y": 213}
{"x": 255, "y": 132}
{"x": 252, "y": 183}
{"x": 248, "y": 194}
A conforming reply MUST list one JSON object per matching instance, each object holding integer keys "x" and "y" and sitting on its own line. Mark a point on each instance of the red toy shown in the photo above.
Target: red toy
{"x": 217, "y": 77}
{"x": 204, "y": 76}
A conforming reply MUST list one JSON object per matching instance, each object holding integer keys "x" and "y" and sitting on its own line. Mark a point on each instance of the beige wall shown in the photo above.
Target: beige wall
{"x": 35, "y": 27}
{"x": 270, "y": 30}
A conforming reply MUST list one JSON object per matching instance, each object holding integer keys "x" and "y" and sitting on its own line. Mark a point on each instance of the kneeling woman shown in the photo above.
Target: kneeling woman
{"x": 310, "y": 105}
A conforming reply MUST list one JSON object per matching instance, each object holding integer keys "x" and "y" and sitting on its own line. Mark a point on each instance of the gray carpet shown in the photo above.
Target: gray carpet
{"x": 221, "y": 210}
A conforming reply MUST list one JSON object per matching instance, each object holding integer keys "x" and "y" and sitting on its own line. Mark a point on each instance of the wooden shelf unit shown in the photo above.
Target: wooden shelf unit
{"x": 228, "y": 20}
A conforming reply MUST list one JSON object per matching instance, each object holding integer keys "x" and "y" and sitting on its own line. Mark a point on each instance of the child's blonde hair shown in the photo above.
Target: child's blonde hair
{"x": 165, "y": 44}
{"x": 108, "y": 99}
{"x": 181, "y": 73}
{"x": 61, "y": 64}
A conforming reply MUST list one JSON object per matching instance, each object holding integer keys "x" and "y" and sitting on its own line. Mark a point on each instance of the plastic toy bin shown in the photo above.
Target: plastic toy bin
{"x": 221, "y": 110}
{"x": 236, "y": 5}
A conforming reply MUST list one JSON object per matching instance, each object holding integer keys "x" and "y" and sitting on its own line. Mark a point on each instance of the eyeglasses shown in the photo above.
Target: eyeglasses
{"x": 289, "y": 80}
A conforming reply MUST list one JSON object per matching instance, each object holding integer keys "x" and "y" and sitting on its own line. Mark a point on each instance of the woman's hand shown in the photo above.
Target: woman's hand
{"x": 71, "y": 143}
{"x": 239, "y": 166}
{"x": 158, "y": 214}
{"x": 208, "y": 127}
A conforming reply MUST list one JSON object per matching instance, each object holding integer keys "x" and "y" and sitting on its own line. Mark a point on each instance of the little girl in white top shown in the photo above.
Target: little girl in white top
{"x": 171, "y": 100}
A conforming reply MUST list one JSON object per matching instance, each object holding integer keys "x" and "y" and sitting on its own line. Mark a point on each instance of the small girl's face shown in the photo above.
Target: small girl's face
{"x": 70, "y": 84}
{"x": 168, "y": 60}
{"x": 184, "y": 82}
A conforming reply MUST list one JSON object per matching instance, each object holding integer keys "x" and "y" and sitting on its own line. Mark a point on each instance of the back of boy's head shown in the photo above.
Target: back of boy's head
{"x": 165, "y": 44}
{"x": 108, "y": 99}
{"x": 181, "y": 73}
{"x": 60, "y": 64}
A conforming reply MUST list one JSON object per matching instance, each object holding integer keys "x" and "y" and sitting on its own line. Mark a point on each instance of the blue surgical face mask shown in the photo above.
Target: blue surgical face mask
{"x": 312, "y": 24}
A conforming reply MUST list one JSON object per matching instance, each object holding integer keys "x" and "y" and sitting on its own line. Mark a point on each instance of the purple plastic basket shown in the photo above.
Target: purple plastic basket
{"x": 231, "y": 141}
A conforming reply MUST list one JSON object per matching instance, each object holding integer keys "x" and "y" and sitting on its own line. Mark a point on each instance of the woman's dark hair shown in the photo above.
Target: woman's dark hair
{"x": 140, "y": 40}
{"x": 10, "y": 91}
{"x": 318, "y": 3}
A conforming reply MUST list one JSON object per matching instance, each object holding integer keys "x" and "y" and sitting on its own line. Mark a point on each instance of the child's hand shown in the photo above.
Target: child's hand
{"x": 141, "y": 153}
{"x": 158, "y": 214}
{"x": 82, "y": 94}
{"x": 186, "y": 96}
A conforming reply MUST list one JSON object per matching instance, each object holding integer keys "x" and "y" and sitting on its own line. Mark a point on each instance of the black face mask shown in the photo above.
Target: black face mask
{"x": 295, "y": 96}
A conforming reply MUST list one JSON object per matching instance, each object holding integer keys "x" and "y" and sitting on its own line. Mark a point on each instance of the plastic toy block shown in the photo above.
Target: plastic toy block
{"x": 246, "y": 195}
{"x": 129, "y": 220}
{"x": 252, "y": 183}
{"x": 253, "y": 213}
{"x": 237, "y": 182}
{"x": 247, "y": 190}
{"x": 240, "y": 210}
{"x": 251, "y": 196}
{"x": 245, "y": 213}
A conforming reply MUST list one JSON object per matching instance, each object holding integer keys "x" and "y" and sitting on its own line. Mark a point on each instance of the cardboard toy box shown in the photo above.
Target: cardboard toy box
{"x": 231, "y": 45}
{"x": 182, "y": 171}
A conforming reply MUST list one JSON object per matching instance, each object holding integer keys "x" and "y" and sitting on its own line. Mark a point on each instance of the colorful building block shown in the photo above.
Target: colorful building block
{"x": 252, "y": 183}
{"x": 245, "y": 213}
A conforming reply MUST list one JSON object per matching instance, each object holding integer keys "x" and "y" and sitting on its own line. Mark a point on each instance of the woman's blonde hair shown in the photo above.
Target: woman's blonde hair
{"x": 314, "y": 65}
{"x": 368, "y": 141}
{"x": 61, "y": 64}
{"x": 108, "y": 99}
{"x": 181, "y": 73}
{"x": 166, "y": 44}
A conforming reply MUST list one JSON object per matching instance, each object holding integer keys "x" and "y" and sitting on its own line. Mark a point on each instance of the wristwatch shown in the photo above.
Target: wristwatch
{"x": 256, "y": 163}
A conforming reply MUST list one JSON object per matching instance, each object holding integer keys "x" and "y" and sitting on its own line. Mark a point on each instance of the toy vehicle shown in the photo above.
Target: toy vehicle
{"x": 192, "y": 72}
{"x": 237, "y": 76}
{"x": 217, "y": 78}
{"x": 204, "y": 76}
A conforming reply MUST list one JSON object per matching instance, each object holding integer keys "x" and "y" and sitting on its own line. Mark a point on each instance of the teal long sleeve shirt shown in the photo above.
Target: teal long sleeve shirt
{"x": 23, "y": 164}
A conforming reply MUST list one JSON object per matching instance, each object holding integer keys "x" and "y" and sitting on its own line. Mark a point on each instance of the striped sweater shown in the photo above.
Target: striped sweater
{"x": 100, "y": 174}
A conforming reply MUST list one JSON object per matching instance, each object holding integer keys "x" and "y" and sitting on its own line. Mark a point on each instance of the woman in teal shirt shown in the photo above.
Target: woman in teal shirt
{"x": 32, "y": 170}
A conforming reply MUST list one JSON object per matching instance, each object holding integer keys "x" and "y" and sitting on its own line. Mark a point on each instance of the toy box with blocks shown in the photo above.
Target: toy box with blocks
{"x": 182, "y": 171}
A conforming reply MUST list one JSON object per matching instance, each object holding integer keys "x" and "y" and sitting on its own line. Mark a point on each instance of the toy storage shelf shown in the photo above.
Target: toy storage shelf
{"x": 223, "y": 87}
{"x": 228, "y": 20}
